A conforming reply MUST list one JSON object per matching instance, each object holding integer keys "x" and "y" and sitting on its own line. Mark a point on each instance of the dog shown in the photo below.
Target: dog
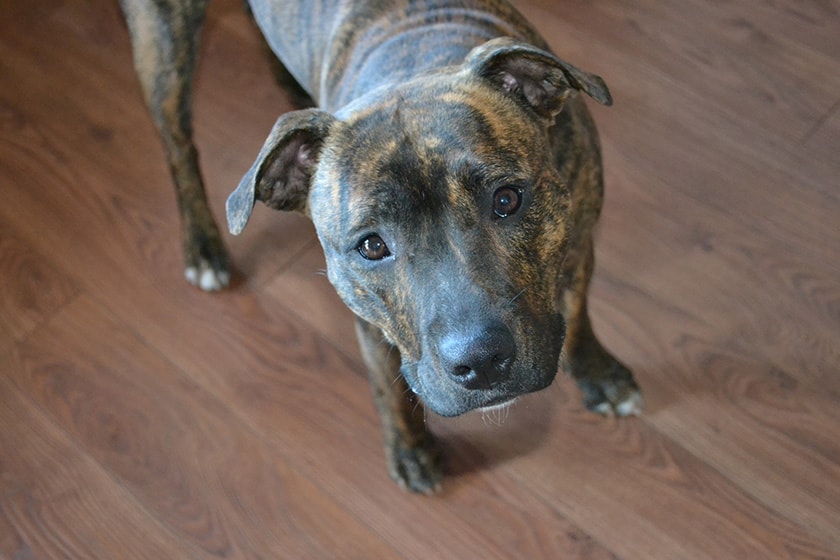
{"x": 453, "y": 175}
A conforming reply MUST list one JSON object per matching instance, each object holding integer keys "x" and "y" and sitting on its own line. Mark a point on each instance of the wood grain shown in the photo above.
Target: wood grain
{"x": 32, "y": 289}
{"x": 140, "y": 418}
{"x": 178, "y": 449}
{"x": 56, "y": 501}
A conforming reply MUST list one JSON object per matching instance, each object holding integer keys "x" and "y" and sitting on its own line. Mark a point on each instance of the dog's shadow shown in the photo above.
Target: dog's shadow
{"x": 480, "y": 441}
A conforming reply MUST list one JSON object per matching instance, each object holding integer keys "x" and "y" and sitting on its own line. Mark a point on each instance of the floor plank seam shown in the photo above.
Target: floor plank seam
{"x": 46, "y": 319}
{"x": 820, "y": 122}
{"x": 284, "y": 266}
{"x": 354, "y": 358}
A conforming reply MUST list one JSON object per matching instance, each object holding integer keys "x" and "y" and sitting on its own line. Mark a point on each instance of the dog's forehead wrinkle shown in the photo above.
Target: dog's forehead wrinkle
{"x": 443, "y": 109}
{"x": 402, "y": 185}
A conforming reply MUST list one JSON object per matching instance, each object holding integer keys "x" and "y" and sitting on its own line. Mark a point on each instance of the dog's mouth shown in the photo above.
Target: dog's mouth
{"x": 448, "y": 398}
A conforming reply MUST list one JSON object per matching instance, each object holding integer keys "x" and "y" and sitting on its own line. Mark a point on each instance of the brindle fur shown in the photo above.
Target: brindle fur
{"x": 425, "y": 109}
{"x": 164, "y": 37}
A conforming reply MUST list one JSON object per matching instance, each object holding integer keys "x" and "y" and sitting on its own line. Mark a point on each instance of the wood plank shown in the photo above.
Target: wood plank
{"x": 765, "y": 404}
{"x": 58, "y": 502}
{"x": 305, "y": 289}
{"x": 822, "y": 142}
{"x": 722, "y": 276}
{"x": 32, "y": 290}
{"x": 721, "y": 150}
{"x": 240, "y": 421}
{"x": 720, "y": 54}
{"x": 811, "y": 23}
{"x": 181, "y": 452}
{"x": 749, "y": 439}
{"x": 640, "y": 493}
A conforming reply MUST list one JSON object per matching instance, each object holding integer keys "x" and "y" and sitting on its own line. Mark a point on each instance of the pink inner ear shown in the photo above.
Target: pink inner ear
{"x": 304, "y": 154}
{"x": 509, "y": 82}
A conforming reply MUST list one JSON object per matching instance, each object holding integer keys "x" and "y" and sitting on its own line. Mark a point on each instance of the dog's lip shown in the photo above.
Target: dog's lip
{"x": 497, "y": 403}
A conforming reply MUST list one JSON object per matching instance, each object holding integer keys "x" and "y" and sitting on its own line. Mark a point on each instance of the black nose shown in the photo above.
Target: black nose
{"x": 478, "y": 359}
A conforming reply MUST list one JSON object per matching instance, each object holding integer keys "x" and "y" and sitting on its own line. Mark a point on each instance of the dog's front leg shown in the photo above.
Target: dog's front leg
{"x": 410, "y": 451}
{"x": 164, "y": 37}
{"x": 607, "y": 385}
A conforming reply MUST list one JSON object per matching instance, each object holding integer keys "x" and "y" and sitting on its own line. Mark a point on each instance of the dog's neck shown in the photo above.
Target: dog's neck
{"x": 347, "y": 51}
{"x": 395, "y": 51}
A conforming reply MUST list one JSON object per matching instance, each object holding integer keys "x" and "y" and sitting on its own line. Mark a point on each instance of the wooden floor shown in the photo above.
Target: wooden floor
{"x": 140, "y": 418}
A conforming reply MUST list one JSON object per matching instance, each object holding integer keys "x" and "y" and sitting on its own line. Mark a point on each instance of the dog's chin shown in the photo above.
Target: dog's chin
{"x": 457, "y": 407}
{"x": 452, "y": 401}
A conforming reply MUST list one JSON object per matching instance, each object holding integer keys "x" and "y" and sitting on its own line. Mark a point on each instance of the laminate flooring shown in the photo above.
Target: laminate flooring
{"x": 141, "y": 418}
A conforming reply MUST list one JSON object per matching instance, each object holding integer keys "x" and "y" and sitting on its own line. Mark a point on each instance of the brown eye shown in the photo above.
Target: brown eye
{"x": 373, "y": 248}
{"x": 506, "y": 201}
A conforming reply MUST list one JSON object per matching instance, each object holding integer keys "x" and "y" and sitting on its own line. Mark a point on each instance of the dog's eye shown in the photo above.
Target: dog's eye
{"x": 373, "y": 248}
{"x": 506, "y": 201}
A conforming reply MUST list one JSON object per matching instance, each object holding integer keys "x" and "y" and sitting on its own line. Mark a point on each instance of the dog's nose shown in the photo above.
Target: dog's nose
{"x": 478, "y": 359}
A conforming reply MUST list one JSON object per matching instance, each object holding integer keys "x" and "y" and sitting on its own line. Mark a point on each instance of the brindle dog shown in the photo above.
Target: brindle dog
{"x": 453, "y": 175}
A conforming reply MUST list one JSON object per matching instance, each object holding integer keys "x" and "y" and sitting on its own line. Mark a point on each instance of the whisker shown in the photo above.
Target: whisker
{"x": 496, "y": 415}
{"x": 514, "y": 298}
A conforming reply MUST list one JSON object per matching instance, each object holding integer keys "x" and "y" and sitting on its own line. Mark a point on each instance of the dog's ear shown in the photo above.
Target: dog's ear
{"x": 281, "y": 174}
{"x": 538, "y": 77}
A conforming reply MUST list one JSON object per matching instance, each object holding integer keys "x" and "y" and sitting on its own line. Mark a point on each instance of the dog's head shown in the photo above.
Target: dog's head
{"x": 443, "y": 217}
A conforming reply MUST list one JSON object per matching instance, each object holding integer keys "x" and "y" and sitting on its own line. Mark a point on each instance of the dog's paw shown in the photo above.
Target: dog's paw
{"x": 613, "y": 394}
{"x": 207, "y": 263}
{"x": 207, "y": 277}
{"x": 630, "y": 404}
{"x": 416, "y": 468}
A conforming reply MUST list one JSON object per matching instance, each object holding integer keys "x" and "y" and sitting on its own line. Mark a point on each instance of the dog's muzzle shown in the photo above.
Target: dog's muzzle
{"x": 480, "y": 359}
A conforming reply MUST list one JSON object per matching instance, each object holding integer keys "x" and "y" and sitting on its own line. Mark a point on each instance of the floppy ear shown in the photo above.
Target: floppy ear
{"x": 281, "y": 174}
{"x": 538, "y": 77}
